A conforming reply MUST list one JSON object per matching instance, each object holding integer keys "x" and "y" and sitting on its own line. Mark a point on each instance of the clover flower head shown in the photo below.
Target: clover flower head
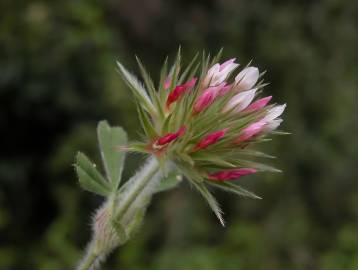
{"x": 204, "y": 119}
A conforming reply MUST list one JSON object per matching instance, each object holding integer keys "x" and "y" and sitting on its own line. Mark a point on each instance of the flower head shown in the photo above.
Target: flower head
{"x": 205, "y": 133}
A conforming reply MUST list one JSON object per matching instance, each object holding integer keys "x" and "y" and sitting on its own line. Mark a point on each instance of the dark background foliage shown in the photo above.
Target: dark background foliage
{"x": 58, "y": 79}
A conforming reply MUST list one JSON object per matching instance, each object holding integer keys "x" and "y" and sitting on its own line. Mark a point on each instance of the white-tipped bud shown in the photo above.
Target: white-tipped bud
{"x": 246, "y": 79}
{"x": 274, "y": 113}
{"x": 240, "y": 101}
{"x": 218, "y": 73}
{"x": 271, "y": 126}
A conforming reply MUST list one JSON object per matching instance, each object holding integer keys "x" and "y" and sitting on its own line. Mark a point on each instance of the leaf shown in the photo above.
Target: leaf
{"x": 113, "y": 160}
{"x": 89, "y": 177}
{"x": 234, "y": 188}
{"x": 210, "y": 200}
{"x": 137, "y": 88}
{"x": 169, "y": 182}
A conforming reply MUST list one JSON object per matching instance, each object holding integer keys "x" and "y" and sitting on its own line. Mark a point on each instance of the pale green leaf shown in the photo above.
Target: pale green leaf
{"x": 109, "y": 138}
{"x": 89, "y": 177}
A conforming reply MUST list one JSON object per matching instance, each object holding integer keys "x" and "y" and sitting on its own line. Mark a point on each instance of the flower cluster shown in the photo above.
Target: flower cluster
{"x": 204, "y": 119}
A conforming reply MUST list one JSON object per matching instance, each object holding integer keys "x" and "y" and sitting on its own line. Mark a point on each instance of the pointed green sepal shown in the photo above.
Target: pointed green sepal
{"x": 137, "y": 88}
{"x": 210, "y": 200}
{"x": 233, "y": 188}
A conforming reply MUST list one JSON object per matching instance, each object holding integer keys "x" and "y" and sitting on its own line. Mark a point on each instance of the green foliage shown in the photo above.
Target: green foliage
{"x": 58, "y": 80}
{"x": 89, "y": 177}
{"x": 109, "y": 139}
{"x": 113, "y": 161}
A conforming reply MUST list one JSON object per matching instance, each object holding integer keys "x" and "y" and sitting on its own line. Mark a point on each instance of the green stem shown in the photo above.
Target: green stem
{"x": 88, "y": 260}
{"x": 136, "y": 188}
{"x": 147, "y": 173}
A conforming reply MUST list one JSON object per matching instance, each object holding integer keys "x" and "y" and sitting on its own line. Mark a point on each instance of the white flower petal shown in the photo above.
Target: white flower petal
{"x": 247, "y": 78}
{"x": 274, "y": 113}
{"x": 240, "y": 101}
{"x": 271, "y": 126}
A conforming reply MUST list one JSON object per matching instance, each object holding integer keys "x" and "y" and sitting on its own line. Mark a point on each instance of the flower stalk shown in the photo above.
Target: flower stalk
{"x": 121, "y": 210}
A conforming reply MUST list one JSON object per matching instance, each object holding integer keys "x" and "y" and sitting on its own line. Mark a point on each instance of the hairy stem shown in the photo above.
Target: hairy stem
{"x": 138, "y": 190}
{"x": 146, "y": 175}
{"x": 88, "y": 260}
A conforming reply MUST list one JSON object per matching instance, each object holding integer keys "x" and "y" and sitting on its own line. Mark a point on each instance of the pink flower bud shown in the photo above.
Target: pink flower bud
{"x": 218, "y": 73}
{"x": 179, "y": 90}
{"x": 224, "y": 89}
{"x": 190, "y": 83}
{"x": 240, "y": 101}
{"x": 170, "y": 137}
{"x": 207, "y": 97}
{"x": 210, "y": 139}
{"x": 258, "y": 104}
{"x": 231, "y": 174}
{"x": 250, "y": 131}
{"x": 167, "y": 83}
{"x": 246, "y": 79}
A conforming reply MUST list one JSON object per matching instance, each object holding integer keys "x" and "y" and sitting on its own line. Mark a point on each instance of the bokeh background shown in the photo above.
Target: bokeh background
{"x": 58, "y": 79}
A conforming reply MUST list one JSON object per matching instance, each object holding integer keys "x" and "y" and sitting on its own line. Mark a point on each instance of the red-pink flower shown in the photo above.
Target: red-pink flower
{"x": 250, "y": 131}
{"x": 210, "y": 139}
{"x": 179, "y": 90}
{"x": 170, "y": 137}
{"x": 231, "y": 174}
{"x": 208, "y": 97}
{"x": 258, "y": 104}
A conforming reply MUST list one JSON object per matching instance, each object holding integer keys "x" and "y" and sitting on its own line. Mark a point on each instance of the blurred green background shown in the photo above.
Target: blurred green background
{"x": 58, "y": 79}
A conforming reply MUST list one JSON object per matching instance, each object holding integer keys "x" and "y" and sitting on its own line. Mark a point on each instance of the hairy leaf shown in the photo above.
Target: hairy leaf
{"x": 113, "y": 160}
{"x": 89, "y": 177}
